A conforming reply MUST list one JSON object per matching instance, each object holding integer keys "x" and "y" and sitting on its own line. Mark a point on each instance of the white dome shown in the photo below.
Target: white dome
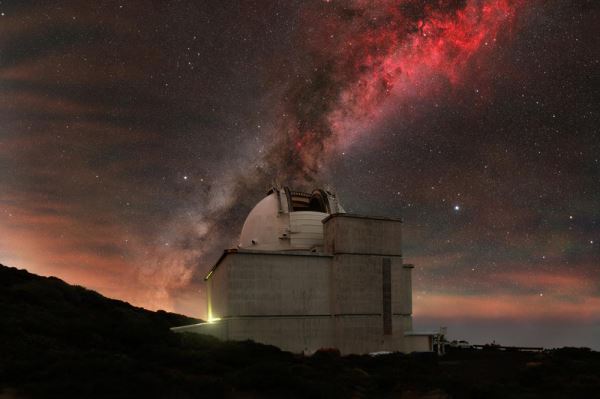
{"x": 264, "y": 225}
{"x": 288, "y": 220}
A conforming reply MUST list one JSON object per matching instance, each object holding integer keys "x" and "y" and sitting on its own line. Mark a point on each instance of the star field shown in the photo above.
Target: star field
{"x": 135, "y": 138}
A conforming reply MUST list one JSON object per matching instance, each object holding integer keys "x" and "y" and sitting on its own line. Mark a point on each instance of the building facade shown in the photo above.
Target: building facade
{"x": 306, "y": 275}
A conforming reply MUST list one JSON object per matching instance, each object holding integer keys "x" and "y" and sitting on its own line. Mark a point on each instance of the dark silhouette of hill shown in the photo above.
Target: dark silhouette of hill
{"x": 58, "y": 340}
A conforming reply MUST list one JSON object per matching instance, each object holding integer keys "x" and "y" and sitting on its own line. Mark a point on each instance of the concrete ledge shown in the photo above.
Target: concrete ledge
{"x": 358, "y": 216}
{"x": 215, "y": 329}
{"x": 234, "y": 251}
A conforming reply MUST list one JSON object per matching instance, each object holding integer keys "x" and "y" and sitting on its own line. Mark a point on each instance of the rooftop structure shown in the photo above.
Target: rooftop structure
{"x": 288, "y": 220}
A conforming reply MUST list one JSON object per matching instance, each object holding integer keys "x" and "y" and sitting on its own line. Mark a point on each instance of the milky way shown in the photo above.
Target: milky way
{"x": 359, "y": 51}
{"x": 135, "y": 138}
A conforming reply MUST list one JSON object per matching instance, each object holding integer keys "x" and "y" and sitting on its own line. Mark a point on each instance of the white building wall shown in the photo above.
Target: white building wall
{"x": 418, "y": 343}
{"x": 258, "y": 284}
{"x": 218, "y": 290}
{"x": 359, "y": 334}
{"x": 306, "y": 229}
{"x": 401, "y": 287}
{"x": 345, "y": 233}
{"x": 356, "y": 285}
{"x": 305, "y": 301}
{"x": 363, "y": 248}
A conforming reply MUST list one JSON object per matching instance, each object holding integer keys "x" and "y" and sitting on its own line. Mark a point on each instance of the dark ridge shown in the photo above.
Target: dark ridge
{"x": 59, "y": 340}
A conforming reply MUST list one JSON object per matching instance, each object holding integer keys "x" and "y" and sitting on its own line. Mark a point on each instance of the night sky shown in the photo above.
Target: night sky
{"x": 136, "y": 136}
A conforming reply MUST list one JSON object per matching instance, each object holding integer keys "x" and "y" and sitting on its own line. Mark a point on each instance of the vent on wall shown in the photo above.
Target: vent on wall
{"x": 386, "y": 274}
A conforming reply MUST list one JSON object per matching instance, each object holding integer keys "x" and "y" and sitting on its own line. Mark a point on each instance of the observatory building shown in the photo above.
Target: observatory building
{"x": 306, "y": 275}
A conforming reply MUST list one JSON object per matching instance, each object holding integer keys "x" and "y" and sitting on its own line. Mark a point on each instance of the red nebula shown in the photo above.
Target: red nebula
{"x": 367, "y": 51}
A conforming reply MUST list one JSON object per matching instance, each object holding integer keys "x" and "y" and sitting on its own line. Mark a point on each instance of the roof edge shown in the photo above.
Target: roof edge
{"x": 223, "y": 255}
{"x": 291, "y": 252}
{"x": 359, "y": 216}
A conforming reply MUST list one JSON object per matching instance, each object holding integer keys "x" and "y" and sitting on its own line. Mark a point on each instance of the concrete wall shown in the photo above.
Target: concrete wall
{"x": 356, "y": 285}
{"x": 417, "y": 343}
{"x": 345, "y": 233}
{"x": 361, "y": 247}
{"x": 218, "y": 289}
{"x": 253, "y": 284}
{"x": 401, "y": 287}
{"x": 359, "y": 334}
{"x": 306, "y": 229}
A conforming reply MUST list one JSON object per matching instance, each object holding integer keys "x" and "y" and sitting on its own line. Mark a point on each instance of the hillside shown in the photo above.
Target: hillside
{"x": 58, "y": 340}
